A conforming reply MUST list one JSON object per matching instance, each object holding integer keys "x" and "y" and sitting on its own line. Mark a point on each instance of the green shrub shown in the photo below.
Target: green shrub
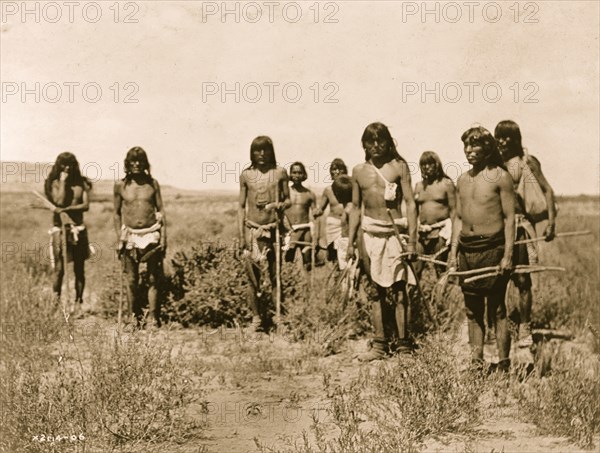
{"x": 208, "y": 287}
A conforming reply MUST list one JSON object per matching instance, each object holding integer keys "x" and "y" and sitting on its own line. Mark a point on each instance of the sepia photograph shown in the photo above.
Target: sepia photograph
{"x": 299, "y": 226}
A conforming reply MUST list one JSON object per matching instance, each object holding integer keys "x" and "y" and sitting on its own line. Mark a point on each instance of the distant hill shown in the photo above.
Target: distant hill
{"x": 28, "y": 176}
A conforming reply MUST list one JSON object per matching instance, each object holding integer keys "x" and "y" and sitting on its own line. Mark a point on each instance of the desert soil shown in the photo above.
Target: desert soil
{"x": 268, "y": 390}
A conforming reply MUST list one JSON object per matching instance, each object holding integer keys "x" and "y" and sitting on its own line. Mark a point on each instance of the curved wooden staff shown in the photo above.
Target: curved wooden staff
{"x": 524, "y": 269}
{"x": 432, "y": 258}
{"x": 277, "y": 261}
{"x": 557, "y": 235}
{"x": 427, "y": 303}
{"x": 64, "y": 220}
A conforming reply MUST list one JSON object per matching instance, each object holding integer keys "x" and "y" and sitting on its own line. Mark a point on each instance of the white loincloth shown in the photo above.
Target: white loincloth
{"x": 333, "y": 229}
{"x": 140, "y": 238}
{"x": 341, "y": 245}
{"x": 384, "y": 251}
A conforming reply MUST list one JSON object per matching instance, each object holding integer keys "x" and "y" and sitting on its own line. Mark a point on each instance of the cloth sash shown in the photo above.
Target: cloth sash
{"x": 441, "y": 229}
{"x": 298, "y": 234}
{"x": 256, "y": 231}
{"x": 140, "y": 238}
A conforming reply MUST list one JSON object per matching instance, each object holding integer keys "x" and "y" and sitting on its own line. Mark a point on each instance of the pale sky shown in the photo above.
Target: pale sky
{"x": 367, "y": 61}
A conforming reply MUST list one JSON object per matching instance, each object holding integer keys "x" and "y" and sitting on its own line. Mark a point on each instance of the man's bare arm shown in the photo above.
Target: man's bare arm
{"x": 451, "y": 197}
{"x": 312, "y": 204}
{"x": 507, "y": 199}
{"x": 322, "y": 204}
{"x": 161, "y": 209}
{"x": 456, "y": 227}
{"x": 117, "y": 203}
{"x": 242, "y": 210}
{"x": 415, "y": 194}
{"x": 354, "y": 216}
{"x": 536, "y": 169}
{"x": 83, "y": 206}
{"x": 59, "y": 192}
{"x": 411, "y": 206}
{"x": 284, "y": 187}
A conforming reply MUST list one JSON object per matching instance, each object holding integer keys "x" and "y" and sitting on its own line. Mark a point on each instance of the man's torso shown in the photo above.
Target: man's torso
{"x": 73, "y": 197}
{"x": 372, "y": 187}
{"x": 261, "y": 190}
{"x": 139, "y": 204}
{"x": 480, "y": 203}
{"x": 301, "y": 200}
{"x": 433, "y": 202}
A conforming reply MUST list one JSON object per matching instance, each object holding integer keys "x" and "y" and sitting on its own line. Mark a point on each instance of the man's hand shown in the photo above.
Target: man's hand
{"x": 350, "y": 252}
{"x": 506, "y": 266}
{"x": 57, "y": 210}
{"x": 452, "y": 264}
{"x": 317, "y": 213}
{"x": 411, "y": 251}
{"x": 550, "y": 232}
{"x": 337, "y": 210}
{"x": 119, "y": 247}
{"x": 275, "y": 205}
{"x": 64, "y": 174}
{"x": 242, "y": 246}
{"x": 425, "y": 228}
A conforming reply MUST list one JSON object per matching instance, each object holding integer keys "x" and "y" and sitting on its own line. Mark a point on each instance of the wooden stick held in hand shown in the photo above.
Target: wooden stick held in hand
{"x": 558, "y": 235}
{"x": 518, "y": 270}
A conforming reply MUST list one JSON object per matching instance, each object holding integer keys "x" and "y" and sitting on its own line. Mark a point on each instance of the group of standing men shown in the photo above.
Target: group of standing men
{"x": 140, "y": 226}
{"x": 473, "y": 225}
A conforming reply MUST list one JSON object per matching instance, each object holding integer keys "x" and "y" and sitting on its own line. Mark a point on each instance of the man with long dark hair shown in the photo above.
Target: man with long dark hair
{"x": 141, "y": 228}
{"x": 483, "y": 235}
{"x": 378, "y": 186}
{"x": 333, "y": 222}
{"x": 264, "y": 190}
{"x": 436, "y": 200}
{"x": 525, "y": 170}
{"x": 68, "y": 190}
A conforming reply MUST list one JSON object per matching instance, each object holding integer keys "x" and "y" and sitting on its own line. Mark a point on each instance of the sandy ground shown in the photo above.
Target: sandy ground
{"x": 269, "y": 390}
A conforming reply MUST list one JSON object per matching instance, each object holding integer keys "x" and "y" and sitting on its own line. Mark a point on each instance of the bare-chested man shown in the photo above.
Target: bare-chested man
{"x": 68, "y": 190}
{"x": 484, "y": 237}
{"x": 333, "y": 228}
{"x": 298, "y": 214}
{"x": 524, "y": 169}
{"x": 141, "y": 228}
{"x": 436, "y": 199}
{"x": 379, "y": 185}
{"x": 263, "y": 190}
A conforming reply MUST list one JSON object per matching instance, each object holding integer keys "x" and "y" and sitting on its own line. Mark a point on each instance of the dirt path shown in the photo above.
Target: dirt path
{"x": 269, "y": 390}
